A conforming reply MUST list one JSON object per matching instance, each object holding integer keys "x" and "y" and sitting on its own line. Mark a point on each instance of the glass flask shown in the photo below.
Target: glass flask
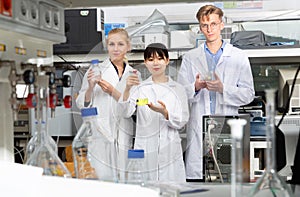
{"x": 270, "y": 184}
{"x": 135, "y": 168}
{"x": 35, "y": 141}
{"x": 43, "y": 155}
{"x": 94, "y": 152}
{"x": 236, "y": 126}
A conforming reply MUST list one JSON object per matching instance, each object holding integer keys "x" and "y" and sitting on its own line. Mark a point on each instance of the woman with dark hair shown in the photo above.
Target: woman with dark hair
{"x": 162, "y": 110}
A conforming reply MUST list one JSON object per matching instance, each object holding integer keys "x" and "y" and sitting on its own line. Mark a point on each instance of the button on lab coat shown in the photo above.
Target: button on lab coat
{"x": 157, "y": 136}
{"x": 112, "y": 125}
{"x": 235, "y": 73}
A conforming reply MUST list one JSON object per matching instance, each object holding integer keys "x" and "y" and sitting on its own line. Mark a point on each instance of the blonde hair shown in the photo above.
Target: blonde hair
{"x": 119, "y": 31}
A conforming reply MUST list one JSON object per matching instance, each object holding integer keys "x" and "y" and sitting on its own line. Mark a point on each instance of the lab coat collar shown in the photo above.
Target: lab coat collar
{"x": 149, "y": 81}
{"x": 221, "y": 48}
{"x": 106, "y": 62}
{"x": 226, "y": 50}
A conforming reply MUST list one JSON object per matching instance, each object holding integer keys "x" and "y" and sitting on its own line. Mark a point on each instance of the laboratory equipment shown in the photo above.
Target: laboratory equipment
{"x": 94, "y": 152}
{"x": 44, "y": 156}
{"x": 135, "y": 170}
{"x": 270, "y": 184}
{"x": 154, "y": 29}
{"x": 81, "y": 154}
{"x": 27, "y": 34}
{"x": 285, "y": 83}
{"x": 236, "y": 126}
{"x": 35, "y": 140}
{"x": 82, "y": 32}
{"x": 222, "y": 145}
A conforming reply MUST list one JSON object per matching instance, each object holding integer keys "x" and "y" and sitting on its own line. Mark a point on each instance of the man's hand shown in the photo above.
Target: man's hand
{"x": 215, "y": 85}
{"x": 199, "y": 84}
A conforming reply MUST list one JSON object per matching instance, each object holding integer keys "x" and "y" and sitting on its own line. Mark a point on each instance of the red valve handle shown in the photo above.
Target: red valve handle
{"x": 31, "y": 100}
{"x": 68, "y": 101}
{"x": 53, "y": 101}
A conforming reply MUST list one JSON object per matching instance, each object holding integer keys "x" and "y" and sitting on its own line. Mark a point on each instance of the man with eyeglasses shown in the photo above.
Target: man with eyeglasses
{"x": 218, "y": 80}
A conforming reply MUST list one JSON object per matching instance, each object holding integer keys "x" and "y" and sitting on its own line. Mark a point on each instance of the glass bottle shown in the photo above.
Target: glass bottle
{"x": 35, "y": 141}
{"x": 270, "y": 184}
{"x": 135, "y": 167}
{"x": 236, "y": 126}
{"x": 82, "y": 164}
{"x": 44, "y": 156}
{"x": 94, "y": 152}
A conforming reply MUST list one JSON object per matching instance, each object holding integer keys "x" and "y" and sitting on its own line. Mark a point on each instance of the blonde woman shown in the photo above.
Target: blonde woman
{"x": 103, "y": 93}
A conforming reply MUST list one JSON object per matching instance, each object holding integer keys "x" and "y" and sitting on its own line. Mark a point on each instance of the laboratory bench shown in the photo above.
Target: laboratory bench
{"x": 17, "y": 179}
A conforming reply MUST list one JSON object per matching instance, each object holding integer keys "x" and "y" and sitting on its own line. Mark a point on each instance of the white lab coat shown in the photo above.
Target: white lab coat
{"x": 111, "y": 123}
{"x": 235, "y": 73}
{"x": 157, "y": 136}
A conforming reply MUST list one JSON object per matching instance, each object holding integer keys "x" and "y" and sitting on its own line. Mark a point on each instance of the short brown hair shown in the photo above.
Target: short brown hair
{"x": 207, "y": 10}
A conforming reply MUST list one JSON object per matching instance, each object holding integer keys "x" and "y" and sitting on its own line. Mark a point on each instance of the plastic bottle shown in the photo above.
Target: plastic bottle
{"x": 97, "y": 72}
{"x": 94, "y": 153}
{"x": 135, "y": 168}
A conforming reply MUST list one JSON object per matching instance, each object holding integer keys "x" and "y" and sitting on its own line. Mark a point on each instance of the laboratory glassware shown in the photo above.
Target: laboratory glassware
{"x": 44, "y": 156}
{"x": 94, "y": 152}
{"x": 82, "y": 161}
{"x": 236, "y": 126}
{"x": 135, "y": 170}
{"x": 35, "y": 141}
{"x": 270, "y": 184}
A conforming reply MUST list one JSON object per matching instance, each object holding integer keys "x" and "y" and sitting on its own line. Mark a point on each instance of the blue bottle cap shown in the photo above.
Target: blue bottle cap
{"x": 135, "y": 153}
{"x": 95, "y": 61}
{"x": 92, "y": 111}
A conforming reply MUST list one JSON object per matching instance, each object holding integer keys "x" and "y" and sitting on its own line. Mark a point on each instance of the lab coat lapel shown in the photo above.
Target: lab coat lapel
{"x": 222, "y": 63}
{"x": 201, "y": 63}
{"x": 226, "y": 53}
{"x": 220, "y": 70}
{"x": 112, "y": 78}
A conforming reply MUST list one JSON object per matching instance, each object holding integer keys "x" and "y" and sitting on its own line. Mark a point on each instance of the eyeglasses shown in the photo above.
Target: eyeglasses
{"x": 213, "y": 25}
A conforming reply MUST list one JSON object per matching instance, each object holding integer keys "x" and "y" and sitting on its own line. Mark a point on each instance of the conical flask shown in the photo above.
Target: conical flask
{"x": 35, "y": 141}
{"x": 44, "y": 156}
{"x": 94, "y": 152}
{"x": 270, "y": 184}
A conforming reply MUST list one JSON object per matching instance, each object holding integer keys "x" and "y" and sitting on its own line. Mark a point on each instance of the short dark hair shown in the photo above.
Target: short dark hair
{"x": 208, "y": 10}
{"x": 156, "y": 48}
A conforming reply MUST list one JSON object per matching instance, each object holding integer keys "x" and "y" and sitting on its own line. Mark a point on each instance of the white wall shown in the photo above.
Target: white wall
{"x": 130, "y": 15}
{"x": 185, "y": 12}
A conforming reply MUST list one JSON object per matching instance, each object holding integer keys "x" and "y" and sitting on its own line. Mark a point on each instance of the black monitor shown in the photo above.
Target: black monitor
{"x": 285, "y": 78}
{"x": 81, "y": 33}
